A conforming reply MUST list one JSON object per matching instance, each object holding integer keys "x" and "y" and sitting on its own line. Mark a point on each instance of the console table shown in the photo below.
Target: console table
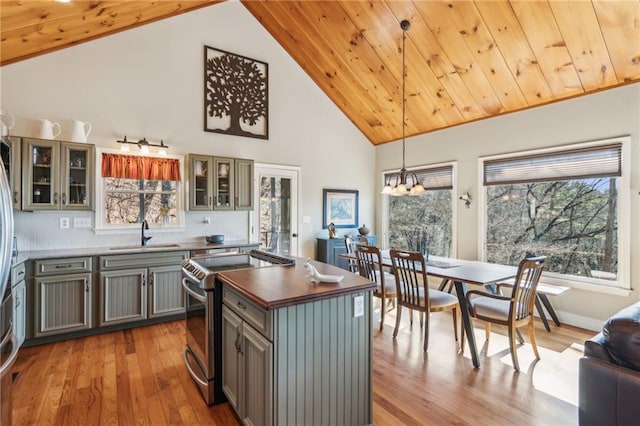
{"x": 328, "y": 250}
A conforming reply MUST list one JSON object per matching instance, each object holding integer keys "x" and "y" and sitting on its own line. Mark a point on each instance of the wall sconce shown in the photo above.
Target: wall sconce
{"x": 143, "y": 145}
{"x": 466, "y": 197}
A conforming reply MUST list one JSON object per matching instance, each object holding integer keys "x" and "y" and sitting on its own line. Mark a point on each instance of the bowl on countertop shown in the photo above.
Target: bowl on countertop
{"x": 215, "y": 239}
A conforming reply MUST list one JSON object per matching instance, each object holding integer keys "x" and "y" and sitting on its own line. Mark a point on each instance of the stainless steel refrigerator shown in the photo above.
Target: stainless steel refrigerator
{"x": 8, "y": 342}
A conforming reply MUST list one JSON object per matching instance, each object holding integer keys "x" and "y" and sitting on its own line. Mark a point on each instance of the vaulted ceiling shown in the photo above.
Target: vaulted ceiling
{"x": 465, "y": 60}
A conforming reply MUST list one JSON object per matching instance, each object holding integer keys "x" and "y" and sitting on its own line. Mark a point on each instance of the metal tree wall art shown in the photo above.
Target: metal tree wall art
{"x": 236, "y": 94}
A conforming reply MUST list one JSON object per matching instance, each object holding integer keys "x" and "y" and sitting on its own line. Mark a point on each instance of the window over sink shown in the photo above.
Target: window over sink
{"x": 137, "y": 188}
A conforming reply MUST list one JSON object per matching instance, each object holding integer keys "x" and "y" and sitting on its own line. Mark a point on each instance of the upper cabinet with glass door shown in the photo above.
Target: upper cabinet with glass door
{"x": 57, "y": 175}
{"x": 219, "y": 183}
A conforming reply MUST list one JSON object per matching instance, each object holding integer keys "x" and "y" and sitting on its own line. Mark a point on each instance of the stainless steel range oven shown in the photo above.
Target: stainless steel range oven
{"x": 202, "y": 354}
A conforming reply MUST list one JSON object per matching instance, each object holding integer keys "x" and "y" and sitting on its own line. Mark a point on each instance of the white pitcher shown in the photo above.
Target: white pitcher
{"x": 7, "y": 120}
{"x": 48, "y": 129}
{"x": 81, "y": 130}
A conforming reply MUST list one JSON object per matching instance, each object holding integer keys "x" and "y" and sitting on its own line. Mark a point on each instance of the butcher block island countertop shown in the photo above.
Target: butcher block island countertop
{"x": 278, "y": 286}
{"x": 297, "y": 352}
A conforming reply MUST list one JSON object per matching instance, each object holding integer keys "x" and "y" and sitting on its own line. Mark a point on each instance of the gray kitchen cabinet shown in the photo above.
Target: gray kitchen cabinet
{"x": 136, "y": 287}
{"x": 220, "y": 183}
{"x": 19, "y": 293}
{"x": 63, "y": 289}
{"x": 63, "y": 304}
{"x": 247, "y": 369}
{"x": 304, "y": 363}
{"x": 14, "y": 171}
{"x": 243, "y": 188}
{"x": 123, "y": 296}
{"x": 165, "y": 296}
{"x": 57, "y": 175}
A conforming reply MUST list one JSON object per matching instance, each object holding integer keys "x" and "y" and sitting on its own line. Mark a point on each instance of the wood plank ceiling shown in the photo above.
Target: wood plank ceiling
{"x": 465, "y": 60}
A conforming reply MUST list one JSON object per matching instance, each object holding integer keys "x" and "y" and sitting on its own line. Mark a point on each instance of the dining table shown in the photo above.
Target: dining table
{"x": 461, "y": 273}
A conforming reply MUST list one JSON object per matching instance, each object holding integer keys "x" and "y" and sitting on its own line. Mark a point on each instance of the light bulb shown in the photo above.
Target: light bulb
{"x": 416, "y": 189}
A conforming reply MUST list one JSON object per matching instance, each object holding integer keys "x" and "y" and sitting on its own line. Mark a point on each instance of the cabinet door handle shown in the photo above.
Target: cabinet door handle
{"x": 86, "y": 286}
{"x": 238, "y": 342}
{"x": 210, "y": 200}
{"x": 15, "y": 197}
{"x": 64, "y": 266}
{"x": 17, "y": 302}
{"x": 151, "y": 279}
{"x": 144, "y": 280}
{"x": 55, "y": 198}
{"x": 64, "y": 198}
{"x": 242, "y": 306}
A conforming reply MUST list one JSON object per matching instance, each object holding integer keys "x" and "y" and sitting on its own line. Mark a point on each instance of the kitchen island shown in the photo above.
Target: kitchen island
{"x": 295, "y": 352}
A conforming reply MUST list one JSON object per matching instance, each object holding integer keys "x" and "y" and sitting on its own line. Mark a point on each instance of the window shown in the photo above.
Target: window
{"x": 136, "y": 188}
{"x": 564, "y": 204}
{"x": 424, "y": 221}
{"x": 129, "y": 200}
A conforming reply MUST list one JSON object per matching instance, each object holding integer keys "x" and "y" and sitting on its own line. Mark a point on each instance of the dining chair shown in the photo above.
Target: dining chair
{"x": 370, "y": 266}
{"x": 512, "y": 311}
{"x": 413, "y": 292}
{"x": 350, "y": 247}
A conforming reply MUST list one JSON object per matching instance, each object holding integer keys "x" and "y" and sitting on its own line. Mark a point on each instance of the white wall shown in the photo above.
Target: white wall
{"x": 598, "y": 116}
{"x": 148, "y": 82}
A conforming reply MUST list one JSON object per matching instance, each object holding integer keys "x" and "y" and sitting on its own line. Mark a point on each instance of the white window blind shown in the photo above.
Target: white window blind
{"x": 431, "y": 178}
{"x": 592, "y": 162}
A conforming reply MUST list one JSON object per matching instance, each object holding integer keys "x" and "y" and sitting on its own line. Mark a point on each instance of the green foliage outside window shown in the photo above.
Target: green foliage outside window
{"x": 572, "y": 222}
{"x": 132, "y": 200}
{"x": 422, "y": 221}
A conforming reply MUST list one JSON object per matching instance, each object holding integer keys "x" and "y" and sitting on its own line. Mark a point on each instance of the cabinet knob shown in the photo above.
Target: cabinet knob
{"x": 242, "y": 305}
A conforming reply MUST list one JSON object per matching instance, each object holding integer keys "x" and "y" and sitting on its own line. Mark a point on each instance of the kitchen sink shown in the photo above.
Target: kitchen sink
{"x": 147, "y": 247}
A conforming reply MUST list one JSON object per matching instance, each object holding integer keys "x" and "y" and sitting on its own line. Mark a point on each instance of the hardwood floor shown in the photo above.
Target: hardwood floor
{"x": 137, "y": 376}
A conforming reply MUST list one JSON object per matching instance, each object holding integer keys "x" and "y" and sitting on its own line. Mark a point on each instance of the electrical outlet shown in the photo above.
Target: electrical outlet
{"x": 306, "y": 219}
{"x": 82, "y": 222}
{"x": 64, "y": 223}
{"x": 358, "y": 306}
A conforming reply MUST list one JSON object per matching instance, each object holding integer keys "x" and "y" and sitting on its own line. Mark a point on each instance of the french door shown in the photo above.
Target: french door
{"x": 275, "y": 219}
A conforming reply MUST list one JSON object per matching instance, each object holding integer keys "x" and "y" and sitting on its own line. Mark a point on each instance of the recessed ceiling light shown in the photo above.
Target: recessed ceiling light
{"x": 63, "y": 1}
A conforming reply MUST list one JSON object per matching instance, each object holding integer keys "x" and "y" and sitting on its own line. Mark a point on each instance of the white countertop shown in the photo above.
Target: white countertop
{"x": 125, "y": 249}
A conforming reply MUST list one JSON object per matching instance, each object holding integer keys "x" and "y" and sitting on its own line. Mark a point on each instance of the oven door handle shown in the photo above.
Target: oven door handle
{"x": 192, "y": 373}
{"x": 195, "y": 295}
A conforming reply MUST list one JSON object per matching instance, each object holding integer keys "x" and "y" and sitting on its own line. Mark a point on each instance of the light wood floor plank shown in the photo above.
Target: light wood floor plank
{"x": 137, "y": 377}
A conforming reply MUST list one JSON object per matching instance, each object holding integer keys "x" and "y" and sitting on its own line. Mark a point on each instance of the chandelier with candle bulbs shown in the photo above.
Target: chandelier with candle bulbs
{"x": 399, "y": 180}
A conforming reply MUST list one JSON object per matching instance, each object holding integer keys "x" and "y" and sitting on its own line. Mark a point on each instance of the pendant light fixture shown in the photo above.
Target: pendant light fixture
{"x": 400, "y": 179}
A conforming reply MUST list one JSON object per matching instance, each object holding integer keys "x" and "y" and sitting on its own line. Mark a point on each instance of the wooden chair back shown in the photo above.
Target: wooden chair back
{"x": 410, "y": 269}
{"x": 523, "y": 296}
{"x": 370, "y": 263}
{"x": 350, "y": 245}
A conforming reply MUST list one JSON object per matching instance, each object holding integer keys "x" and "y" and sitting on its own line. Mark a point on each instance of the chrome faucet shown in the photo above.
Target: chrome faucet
{"x": 144, "y": 239}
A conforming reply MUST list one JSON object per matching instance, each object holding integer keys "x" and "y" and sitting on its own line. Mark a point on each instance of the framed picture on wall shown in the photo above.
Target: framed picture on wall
{"x": 236, "y": 94}
{"x": 340, "y": 207}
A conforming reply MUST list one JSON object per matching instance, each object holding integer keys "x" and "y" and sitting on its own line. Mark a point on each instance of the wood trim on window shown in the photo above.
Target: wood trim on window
{"x": 137, "y": 167}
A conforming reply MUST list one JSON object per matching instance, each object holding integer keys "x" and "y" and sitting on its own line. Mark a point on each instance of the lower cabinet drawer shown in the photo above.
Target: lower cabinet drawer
{"x": 260, "y": 319}
{"x": 62, "y": 266}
